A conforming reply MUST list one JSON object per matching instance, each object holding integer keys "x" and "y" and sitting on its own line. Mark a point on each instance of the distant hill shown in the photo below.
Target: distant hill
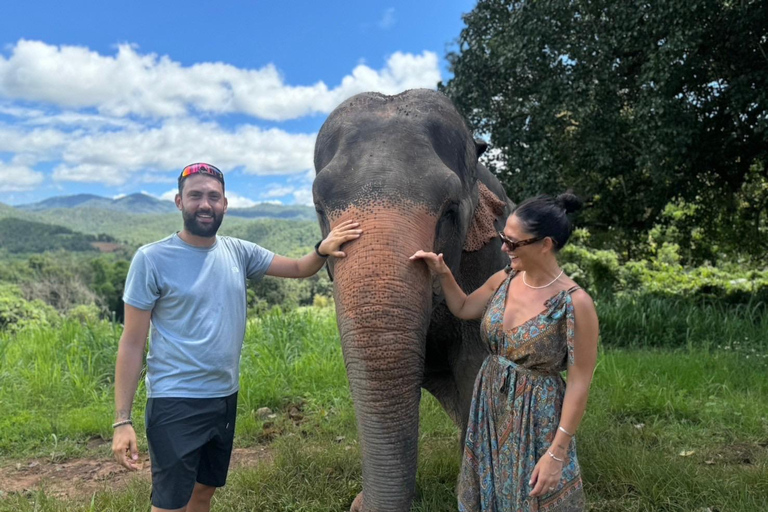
{"x": 144, "y": 204}
{"x": 25, "y": 236}
{"x": 134, "y": 203}
{"x": 275, "y": 211}
{"x": 134, "y": 229}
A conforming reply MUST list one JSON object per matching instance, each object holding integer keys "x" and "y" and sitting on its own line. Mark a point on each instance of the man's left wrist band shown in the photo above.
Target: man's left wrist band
{"x": 317, "y": 250}
{"x": 121, "y": 423}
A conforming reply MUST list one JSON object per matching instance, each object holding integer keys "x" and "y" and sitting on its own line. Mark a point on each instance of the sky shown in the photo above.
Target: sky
{"x": 113, "y": 98}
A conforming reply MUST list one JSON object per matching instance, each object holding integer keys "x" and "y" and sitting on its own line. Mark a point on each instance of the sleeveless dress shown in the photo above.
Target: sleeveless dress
{"x": 515, "y": 411}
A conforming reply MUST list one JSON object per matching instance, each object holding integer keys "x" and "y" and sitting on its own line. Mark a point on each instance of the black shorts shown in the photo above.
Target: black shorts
{"x": 190, "y": 440}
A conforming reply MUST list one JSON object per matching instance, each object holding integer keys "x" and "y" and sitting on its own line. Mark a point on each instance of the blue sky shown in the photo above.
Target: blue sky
{"x": 113, "y": 98}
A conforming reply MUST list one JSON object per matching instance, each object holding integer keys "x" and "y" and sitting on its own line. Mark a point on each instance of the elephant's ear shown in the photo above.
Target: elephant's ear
{"x": 482, "y": 230}
{"x": 480, "y": 147}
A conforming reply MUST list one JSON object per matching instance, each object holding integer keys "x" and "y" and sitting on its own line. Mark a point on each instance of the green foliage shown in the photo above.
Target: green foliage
{"x": 292, "y": 239}
{"x": 66, "y": 279}
{"x": 56, "y": 381}
{"x": 634, "y": 105}
{"x": 690, "y": 422}
{"x": 108, "y": 282}
{"x": 17, "y": 313}
{"x": 604, "y": 275}
{"x": 17, "y": 235}
{"x": 289, "y": 238}
{"x": 645, "y": 320}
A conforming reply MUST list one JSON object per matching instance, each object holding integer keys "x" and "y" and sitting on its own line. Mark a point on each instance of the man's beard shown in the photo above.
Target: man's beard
{"x": 194, "y": 227}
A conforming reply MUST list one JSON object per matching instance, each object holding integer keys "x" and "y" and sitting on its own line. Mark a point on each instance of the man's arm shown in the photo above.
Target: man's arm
{"x": 312, "y": 262}
{"x": 130, "y": 356}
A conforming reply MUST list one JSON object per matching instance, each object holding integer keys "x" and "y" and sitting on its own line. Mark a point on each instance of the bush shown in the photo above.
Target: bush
{"x": 17, "y": 312}
{"x": 604, "y": 276}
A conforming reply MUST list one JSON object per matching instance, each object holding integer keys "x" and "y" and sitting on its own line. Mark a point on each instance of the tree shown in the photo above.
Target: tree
{"x": 632, "y": 104}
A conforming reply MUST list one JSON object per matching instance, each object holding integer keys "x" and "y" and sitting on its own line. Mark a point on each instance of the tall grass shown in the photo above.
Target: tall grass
{"x": 56, "y": 384}
{"x": 670, "y": 430}
{"x": 645, "y": 321}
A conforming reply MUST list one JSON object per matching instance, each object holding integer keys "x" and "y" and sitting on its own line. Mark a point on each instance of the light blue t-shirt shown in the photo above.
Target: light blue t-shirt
{"x": 198, "y": 302}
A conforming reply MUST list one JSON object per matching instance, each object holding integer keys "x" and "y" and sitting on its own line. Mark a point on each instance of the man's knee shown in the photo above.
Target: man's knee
{"x": 202, "y": 493}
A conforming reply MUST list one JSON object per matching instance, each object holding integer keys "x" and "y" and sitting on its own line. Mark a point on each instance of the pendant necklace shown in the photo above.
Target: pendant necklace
{"x": 548, "y": 284}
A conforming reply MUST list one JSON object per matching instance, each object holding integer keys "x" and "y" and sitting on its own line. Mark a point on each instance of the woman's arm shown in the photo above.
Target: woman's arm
{"x": 547, "y": 471}
{"x": 466, "y": 307}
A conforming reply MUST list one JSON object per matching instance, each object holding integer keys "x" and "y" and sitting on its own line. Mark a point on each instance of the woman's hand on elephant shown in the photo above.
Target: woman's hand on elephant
{"x": 434, "y": 261}
{"x": 546, "y": 476}
{"x": 342, "y": 233}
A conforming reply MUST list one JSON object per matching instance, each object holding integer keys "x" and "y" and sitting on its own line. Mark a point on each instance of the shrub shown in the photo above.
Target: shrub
{"x": 17, "y": 312}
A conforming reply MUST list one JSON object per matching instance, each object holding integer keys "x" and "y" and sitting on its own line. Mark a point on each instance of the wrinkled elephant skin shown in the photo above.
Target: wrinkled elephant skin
{"x": 406, "y": 167}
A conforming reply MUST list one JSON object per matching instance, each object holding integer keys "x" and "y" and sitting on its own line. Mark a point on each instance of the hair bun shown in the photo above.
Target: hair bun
{"x": 569, "y": 201}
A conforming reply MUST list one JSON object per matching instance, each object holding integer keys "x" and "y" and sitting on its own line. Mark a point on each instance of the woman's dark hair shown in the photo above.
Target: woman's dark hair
{"x": 545, "y": 216}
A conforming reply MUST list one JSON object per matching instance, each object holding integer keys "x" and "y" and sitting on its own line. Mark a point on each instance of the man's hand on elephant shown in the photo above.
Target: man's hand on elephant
{"x": 344, "y": 232}
{"x": 434, "y": 261}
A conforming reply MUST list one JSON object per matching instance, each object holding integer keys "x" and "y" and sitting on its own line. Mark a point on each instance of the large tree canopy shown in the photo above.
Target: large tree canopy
{"x": 634, "y": 105}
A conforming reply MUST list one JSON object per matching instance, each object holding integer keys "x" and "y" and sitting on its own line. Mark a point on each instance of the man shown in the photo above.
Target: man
{"x": 191, "y": 288}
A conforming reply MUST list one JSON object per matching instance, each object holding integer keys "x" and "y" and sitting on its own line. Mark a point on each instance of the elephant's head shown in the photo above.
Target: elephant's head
{"x": 405, "y": 167}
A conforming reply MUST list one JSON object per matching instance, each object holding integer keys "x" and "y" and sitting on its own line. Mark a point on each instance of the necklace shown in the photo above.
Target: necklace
{"x": 548, "y": 284}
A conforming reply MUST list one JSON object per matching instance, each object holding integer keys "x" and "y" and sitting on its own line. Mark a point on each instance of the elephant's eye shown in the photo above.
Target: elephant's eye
{"x": 325, "y": 227}
{"x": 446, "y": 225}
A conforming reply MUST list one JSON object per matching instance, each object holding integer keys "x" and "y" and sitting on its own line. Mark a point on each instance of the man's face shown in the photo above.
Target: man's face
{"x": 202, "y": 204}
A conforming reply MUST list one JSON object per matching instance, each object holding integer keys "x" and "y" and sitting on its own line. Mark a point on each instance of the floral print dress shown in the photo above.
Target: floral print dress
{"x": 515, "y": 411}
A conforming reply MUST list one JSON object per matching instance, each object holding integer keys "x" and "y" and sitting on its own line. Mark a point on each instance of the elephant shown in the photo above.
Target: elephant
{"x": 406, "y": 168}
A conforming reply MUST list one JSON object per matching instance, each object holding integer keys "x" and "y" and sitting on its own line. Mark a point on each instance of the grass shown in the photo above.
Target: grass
{"x": 681, "y": 429}
{"x": 643, "y": 321}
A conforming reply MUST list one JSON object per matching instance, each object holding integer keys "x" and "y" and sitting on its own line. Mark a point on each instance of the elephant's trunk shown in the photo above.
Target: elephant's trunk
{"x": 383, "y": 306}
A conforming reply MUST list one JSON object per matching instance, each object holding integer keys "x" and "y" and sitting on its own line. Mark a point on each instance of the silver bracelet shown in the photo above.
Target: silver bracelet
{"x": 121, "y": 423}
{"x": 549, "y": 452}
{"x": 563, "y": 430}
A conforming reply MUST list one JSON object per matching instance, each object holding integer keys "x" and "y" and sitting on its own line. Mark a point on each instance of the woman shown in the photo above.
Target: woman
{"x": 519, "y": 451}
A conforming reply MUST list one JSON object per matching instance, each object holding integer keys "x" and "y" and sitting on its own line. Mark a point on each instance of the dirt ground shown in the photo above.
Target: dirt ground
{"x": 80, "y": 478}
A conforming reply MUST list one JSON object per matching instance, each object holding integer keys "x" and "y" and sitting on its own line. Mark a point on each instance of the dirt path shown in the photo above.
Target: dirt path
{"x": 80, "y": 478}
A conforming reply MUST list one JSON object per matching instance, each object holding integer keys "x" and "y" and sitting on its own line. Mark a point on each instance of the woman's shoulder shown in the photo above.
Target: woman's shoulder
{"x": 583, "y": 305}
{"x": 499, "y": 278}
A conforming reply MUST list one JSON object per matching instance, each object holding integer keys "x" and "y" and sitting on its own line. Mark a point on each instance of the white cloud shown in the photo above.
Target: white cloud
{"x": 238, "y": 201}
{"x": 131, "y": 83}
{"x": 17, "y": 178}
{"x": 170, "y": 195}
{"x": 278, "y": 192}
{"x": 154, "y": 154}
{"x": 304, "y": 196}
{"x": 388, "y": 19}
{"x": 32, "y": 146}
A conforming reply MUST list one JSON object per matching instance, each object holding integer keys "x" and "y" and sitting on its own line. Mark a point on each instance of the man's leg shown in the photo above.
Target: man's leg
{"x": 199, "y": 502}
{"x": 201, "y": 498}
{"x": 178, "y": 430}
{"x": 155, "y": 509}
{"x": 215, "y": 455}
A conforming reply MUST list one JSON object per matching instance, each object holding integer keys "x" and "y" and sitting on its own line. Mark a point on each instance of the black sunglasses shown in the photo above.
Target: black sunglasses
{"x": 511, "y": 245}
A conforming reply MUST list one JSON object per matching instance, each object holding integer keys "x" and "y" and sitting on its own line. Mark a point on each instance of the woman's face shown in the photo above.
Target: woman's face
{"x": 514, "y": 232}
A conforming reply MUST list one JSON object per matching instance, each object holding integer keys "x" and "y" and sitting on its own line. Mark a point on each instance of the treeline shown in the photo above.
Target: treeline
{"x": 23, "y": 236}
{"x": 655, "y": 112}
{"x": 87, "y": 284}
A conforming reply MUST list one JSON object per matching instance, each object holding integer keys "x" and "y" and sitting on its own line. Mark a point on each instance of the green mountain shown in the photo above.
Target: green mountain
{"x": 275, "y": 211}
{"x": 279, "y": 228}
{"x": 145, "y": 205}
{"x": 133, "y": 203}
{"x": 25, "y": 236}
